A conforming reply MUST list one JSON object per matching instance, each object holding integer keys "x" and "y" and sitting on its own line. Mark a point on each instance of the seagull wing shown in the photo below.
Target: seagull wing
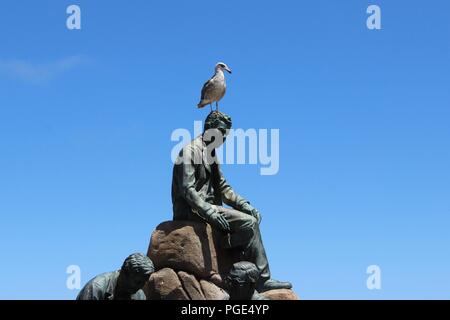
{"x": 206, "y": 87}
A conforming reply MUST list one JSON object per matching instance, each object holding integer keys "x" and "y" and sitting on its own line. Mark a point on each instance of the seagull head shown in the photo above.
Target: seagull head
{"x": 222, "y": 66}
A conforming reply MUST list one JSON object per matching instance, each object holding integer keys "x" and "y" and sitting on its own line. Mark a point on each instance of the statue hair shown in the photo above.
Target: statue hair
{"x": 137, "y": 263}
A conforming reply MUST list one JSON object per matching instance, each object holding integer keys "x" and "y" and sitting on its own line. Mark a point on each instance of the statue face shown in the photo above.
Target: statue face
{"x": 133, "y": 282}
{"x": 241, "y": 290}
{"x": 241, "y": 280}
{"x": 216, "y": 136}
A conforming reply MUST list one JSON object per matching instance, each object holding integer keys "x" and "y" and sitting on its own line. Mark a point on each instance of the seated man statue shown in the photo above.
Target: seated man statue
{"x": 123, "y": 284}
{"x": 199, "y": 189}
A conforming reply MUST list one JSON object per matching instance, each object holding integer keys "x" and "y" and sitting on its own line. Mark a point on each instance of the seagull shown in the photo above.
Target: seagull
{"x": 214, "y": 89}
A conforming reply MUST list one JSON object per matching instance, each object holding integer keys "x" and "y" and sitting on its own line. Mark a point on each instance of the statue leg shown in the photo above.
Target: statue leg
{"x": 245, "y": 235}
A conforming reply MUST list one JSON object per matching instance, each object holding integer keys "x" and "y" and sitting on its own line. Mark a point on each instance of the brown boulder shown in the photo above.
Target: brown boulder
{"x": 191, "y": 286}
{"x": 213, "y": 292}
{"x": 188, "y": 246}
{"x": 280, "y": 294}
{"x": 165, "y": 285}
{"x": 191, "y": 264}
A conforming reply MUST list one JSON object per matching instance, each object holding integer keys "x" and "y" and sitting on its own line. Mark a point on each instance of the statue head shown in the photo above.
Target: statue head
{"x": 217, "y": 124}
{"x": 241, "y": 280}
{"x": 135, "y": 272}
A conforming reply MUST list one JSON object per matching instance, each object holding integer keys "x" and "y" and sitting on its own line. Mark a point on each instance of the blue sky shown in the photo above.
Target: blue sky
{"x": 86, "y": 118}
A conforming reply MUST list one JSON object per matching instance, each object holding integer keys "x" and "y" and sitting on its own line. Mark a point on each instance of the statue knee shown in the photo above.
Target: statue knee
{"x": 250, "y": 223}
{"x": 253, "y": 220}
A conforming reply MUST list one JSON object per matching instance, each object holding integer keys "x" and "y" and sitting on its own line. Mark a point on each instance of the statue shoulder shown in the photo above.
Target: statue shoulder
{"x": 195, "y": 146}
{"x": 100, "y": 287}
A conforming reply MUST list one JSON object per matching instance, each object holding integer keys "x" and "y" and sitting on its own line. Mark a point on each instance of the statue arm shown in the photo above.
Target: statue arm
{"x": 205, "y": 210}
{"x": 186, "y": 176}
{"x": 230, "y": 197}
{"x": 90, "y": 291}
{"x": 234, "y": 200}
{"x": 190, "y": 194}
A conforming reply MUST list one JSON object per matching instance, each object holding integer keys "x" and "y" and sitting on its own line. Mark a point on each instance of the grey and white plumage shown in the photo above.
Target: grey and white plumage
{"x": 214, "y": 89}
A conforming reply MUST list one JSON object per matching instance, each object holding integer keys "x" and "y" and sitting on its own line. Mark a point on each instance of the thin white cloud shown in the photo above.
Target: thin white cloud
{"x": 39, "y": 72}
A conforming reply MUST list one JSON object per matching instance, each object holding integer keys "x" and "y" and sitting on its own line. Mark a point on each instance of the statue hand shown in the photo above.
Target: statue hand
{"x": 255, "y": 213}
{"x": 248, "y": 209}
{"x": 216, "y": 220}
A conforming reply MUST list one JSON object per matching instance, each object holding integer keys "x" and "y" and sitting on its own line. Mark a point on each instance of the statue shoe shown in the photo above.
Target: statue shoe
{"x": 272, "y": 284}
{"x": 258, "y": 296}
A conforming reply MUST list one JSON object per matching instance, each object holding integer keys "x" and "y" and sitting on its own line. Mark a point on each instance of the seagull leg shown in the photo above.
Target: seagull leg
{"x": 217, "y": 106}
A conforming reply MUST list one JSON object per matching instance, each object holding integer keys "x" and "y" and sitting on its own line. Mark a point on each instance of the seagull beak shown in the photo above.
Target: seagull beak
{"x": 228, "y": 70}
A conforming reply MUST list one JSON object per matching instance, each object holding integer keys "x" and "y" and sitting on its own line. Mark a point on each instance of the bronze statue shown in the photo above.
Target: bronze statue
{"x": 123, "y": 284}
{"x": 199, "y": 190}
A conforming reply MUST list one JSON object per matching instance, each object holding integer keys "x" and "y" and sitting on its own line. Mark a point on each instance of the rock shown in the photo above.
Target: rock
{"x": 190, "y": 264}
{"x": 280, "y": 294}
{"x": 191, "y": 286}
{"x": 217, "y": 280}
{"x": 189, "y": 246}
{"x": 213, "y": 292}
{"x": 165, "y": 285}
